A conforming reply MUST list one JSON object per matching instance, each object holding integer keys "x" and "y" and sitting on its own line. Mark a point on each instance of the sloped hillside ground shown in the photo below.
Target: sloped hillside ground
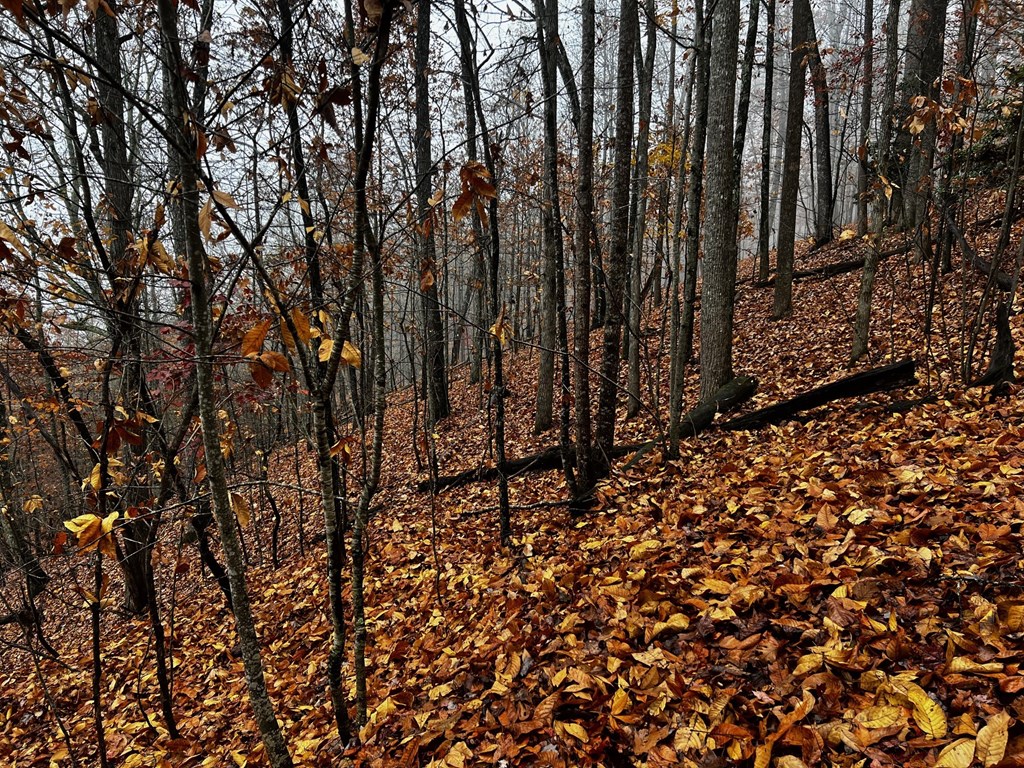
{"x": 841, "y": 590}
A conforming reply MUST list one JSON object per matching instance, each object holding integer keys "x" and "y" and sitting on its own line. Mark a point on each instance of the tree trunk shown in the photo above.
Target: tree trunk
{"x": 702, "y": 40}
{"x": 185, "y": 146}
{"x": 783, "y": 302}
{"x": 645, "y": 86}
{"x": 822, "y": 139}
{"x": 582, "y": 427}
{"x": 764, "y": 213}
{"x": 862, "y": 323}
{"x": 436, "y": 373}
{"x": 743, "y": 107}
{"x": 924, "y": 59}
{"x": 865, "y": 117}
{"x": 719, "y": 291}
{"x": 619, "y": 247}
{"x": 676, "y": 363}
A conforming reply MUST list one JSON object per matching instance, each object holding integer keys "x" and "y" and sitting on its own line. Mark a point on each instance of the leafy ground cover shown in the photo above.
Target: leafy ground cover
{"x": 841, "y": 590}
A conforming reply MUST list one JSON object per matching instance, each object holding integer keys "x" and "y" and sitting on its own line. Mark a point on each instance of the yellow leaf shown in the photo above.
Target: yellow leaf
{"x": 677, "y": 622}
{"x": 577, "y": 730}
{"x": 501, "y": 330}
{"x": 7, "y": 234}
{"x": 992, "y": 739}
{"x": 762, "y": 755}
{"x": 963, "y": 664}
{"x": 301, "y": 323}
{"x": 847, "y": 234}
{"x": 206, "y": 219}
{"x": 789, "y": 761}
{"x": 457, "y": 756}
{"x": 438, "y": 691}
{"x": 644, "y": 549}
{"x": 927, "y": 713}
{"x": 358, "y": 57}
{"x": 693, "y": 735}
{"x": 620, "y": 701}
{"x": 385, "y": 708}
{"x": 82, "y": 523}
{"x": 241, "y": 508}
{"x": 1011, "y": 615}
{"x": 882, "y": 716}
{"x": 326, "y": 347}
{"x": 96, "y": 477}
{"x": 959, "y": 754}
{"x": 91, "y": 532}
{"x": 810, "y": 662}
{"x": 159, "y": 259}
{"x": 350, "y": 355}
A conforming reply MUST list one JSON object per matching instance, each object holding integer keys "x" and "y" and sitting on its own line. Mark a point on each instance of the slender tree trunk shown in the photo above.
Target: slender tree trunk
{"x": 783, "y": 302}
{"x": 865, "y": 117}
{"x": 765, "y": 211}
{"x": 822, "y": 138}
{"x": 185, "y": 146}
{"x": 702, "y": 40}
{"x": 471, "y": 82}
{"x": 438, "y": 405}
{"x": 616, "y": 264}
{"x": 645, "y": 86}
{"x": 743, "y": 107}
{"x": 677, "y": 365}
{"x": 862, "y": 323}
{"x": 924, "y": 58}
{"x": 582, "y": 428}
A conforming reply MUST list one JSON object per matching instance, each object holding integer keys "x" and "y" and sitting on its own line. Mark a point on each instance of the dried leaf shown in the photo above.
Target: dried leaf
{"x": 240, "y": 506}
{"x": 992, "y": 739}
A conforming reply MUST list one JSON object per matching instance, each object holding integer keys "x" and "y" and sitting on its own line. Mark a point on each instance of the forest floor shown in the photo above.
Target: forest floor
{"x": 842, "y": 590}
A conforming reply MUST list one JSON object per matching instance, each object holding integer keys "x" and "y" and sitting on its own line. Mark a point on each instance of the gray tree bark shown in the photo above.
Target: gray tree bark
{"x": 719, "y": 291}
{"x": 783, "y": 301}
{"x": 765, "y": 209}
{"x": 616, "y": 263}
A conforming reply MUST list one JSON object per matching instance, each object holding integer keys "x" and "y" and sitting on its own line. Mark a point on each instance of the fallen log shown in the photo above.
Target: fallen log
{"x": 892, "y": 376}
{"x": 740, "y": 389}
{"x": 1001, "y": 279}
{"x": 831, "y": 270}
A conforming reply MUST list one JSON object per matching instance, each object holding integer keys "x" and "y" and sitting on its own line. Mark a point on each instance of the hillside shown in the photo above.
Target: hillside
{"x": 840, "y": 590}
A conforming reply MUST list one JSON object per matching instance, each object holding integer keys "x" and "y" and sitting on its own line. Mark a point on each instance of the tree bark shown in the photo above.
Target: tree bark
{"x": 783, "y": 302}
{"x": 618, "y": 251}
{"x": 865, "y": 117}
{"x": 862, "y": 322}
{"x": 824, "y": 204}
{"x": 582, "y": 425}
{"x": 764, "y": 212}
{"x": 645, "y": 86}
{"x": 438, "y": 405}
{"x": 702, "y": 40}
{"x": 719, "y": 291}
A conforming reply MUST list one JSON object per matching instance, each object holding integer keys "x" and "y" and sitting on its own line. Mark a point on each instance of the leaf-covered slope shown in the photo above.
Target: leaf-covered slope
{"x": 844, "y": 590}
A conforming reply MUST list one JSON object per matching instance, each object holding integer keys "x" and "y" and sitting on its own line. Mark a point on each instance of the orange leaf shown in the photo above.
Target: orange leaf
{"x": 275, "y": 361}
{"x": 253, "y": 340}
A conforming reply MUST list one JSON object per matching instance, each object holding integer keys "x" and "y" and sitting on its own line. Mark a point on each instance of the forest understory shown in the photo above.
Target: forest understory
{"x": 842, "y": 589}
